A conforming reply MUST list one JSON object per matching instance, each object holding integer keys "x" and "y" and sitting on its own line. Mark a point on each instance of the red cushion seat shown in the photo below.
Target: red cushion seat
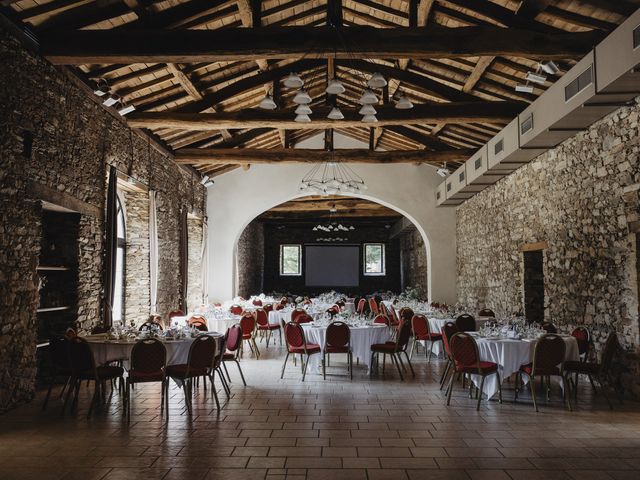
{"x": 388, "y": 347}
{"x": 269, "y": 327}
{"x": 246, "y": 336}
{"x": 182, "y": 370}
{"x": 138, "y": 376}
{"x": 311, "y": 348}
{"x": 430, "y": 336}
{"x": 334, "y": 349}
{"x": 485, "y": 368}
{"x": 229, "y": 356}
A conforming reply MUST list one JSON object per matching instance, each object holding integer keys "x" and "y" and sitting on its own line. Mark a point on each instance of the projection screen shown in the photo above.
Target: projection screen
{"x": 332, "y": 266}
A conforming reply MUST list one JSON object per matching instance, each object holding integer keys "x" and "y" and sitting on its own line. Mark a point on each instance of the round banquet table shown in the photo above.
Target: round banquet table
{"x": 436, "y": 324}
{"x": 361, "y": 340}
{"x": 509, "y": 354}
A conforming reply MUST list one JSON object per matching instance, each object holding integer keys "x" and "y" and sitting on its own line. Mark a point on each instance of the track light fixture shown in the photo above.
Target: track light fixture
{"x": 536, "y": 78}
{"x": 549, "y": 67}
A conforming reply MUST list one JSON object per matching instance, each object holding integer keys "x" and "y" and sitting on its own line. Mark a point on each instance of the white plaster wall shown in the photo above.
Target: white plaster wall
{"x": 238, "y": 197}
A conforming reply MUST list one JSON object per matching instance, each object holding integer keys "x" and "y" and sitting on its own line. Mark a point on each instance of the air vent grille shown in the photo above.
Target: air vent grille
{"x": 461, "y": 177}
{"x": 478, "y": 163}
{"x": 527, "y": 124}
{"x": 498, "y": 147}
{"x": 636, "y": 37}
{"x": 448, "y": 186}
{"x": 438, "y": 195}
{"x": 581, "y": 82}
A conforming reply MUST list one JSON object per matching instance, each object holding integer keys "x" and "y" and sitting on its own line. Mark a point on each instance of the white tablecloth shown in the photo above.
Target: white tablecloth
{"x": 436, "y": 324}
{"x": 509, "y": 355}
{"x": 105, "y": 350}
{"x": 361, "y": 340}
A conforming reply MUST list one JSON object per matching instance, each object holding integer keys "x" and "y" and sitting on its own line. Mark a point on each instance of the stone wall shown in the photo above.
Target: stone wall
{"x": 251, "y": 260}
{"x": 74, "y": 141}
{"x": 413, "y": 257}
{"x": 194, "y": 285}
{"x": 581, "y": 198}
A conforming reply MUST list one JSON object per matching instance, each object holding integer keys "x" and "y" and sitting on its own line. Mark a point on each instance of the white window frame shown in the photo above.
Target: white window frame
{"x": 299, "y": 247}
{"x": 383, "y": 260}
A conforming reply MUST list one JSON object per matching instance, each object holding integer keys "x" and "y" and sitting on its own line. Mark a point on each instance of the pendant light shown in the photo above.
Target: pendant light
{"x": 369, "y": 119}
{"x": 403, "y": 103}
{"x": 293, "y": 80}
{"x": 302, "y": 118}
{"x": 367, "y": 110}
{"x": 368, "y": 97}
{"x": 335, "y": 114}
{"x": 302, "y": 97}
{"x": 303, "y": 110}
{"x": 335, "y": 87}
{"x": 377, "y": 81}
{"x": 267, "y": 103}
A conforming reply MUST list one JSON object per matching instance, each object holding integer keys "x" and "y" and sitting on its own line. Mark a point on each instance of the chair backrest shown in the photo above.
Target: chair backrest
{"x": 257, "y": 302}
{"x": 609, "y": 351}
{"x": 549, "y": 327}
{"x": 236, "y": 310}
{"x": 486, "y": 312}
{"x": 248, "y": 323}
{"x": 234, "y": 337}
{"x": 583, "y": 338}
{"x": 197, "y": 319}
{"x": 304, "y": 318}
{"x": 221, "y": 348}
{"x": 59, "y": 352}
{"x": 464, "y": 350}
{"x": 404, "y": 335}
{"x": 268, "y": 307}
{"x": 201, "y": 327}
{"x": 548, "y": 354}
{"x": 466, "y": 323}
{"x": 384, "y": 310}
{"x": 202, "y": 351}
{"x": 294, "y": 335}
{"x": 149, "y": 355}
{"x": 373, "y": 306}
{"x": 284, "y": 300}
{"x": 362, "y": 303}
{"x": 262, "y": 317}
{"x": 296, "y": 313}
{"x": 333, "y": 310}
{"x": 381, "y": 319}
{"x": 81, "y": 355}
{"x": 406, "y": 314}
{"x": 338, "y": 334}
{"x": 420, "y": 327}
{"x": 449, "y": 329}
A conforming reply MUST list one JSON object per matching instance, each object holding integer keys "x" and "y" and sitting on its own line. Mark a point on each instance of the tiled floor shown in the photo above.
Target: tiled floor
{"x": 335, "y": 429}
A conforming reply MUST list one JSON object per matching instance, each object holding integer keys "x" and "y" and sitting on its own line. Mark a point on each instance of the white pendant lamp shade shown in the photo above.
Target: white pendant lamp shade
{"x": 293, "y": 80}
{"x": 334, "y": 87}
{"x": 404, "y": 103}
{"x": 377, "y": 81}
{"x": 335, "y": 114}
{"x": 302, "y": 98}
{"x": 368, "y": 97}
{"x": 302, "y": 118}
{"x": 303, "y": 110}
{"x": 267, "y": 103}
{"x": 369, "y": 119}
{"x": 367, "y": 110}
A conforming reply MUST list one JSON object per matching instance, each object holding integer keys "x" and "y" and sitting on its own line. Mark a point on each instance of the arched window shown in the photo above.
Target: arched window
{"x": 118, "y": 294}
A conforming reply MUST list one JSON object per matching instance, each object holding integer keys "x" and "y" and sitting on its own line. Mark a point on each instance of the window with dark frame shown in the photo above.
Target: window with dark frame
{"x": 118, "y": 297}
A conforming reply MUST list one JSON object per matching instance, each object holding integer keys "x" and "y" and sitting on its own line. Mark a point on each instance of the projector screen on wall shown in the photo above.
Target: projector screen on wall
{"x": 332, "y": 266}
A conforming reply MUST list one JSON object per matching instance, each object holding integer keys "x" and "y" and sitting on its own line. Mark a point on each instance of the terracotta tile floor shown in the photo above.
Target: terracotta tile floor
{"x": 335, "y": 429}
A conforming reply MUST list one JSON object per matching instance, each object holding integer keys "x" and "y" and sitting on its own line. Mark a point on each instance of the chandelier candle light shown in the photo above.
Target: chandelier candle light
{"x": 331, "y": 178}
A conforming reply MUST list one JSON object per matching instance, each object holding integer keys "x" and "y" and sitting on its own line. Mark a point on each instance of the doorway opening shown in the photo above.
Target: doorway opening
{"x": 534, "y": 286}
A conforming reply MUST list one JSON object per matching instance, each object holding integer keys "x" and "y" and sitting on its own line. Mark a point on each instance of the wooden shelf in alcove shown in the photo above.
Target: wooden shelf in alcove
{"x": 53, "y": 309}
{"x": 52, "y": 269}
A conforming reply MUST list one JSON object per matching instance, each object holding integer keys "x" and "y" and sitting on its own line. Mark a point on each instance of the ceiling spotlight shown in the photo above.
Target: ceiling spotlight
{"x": 536, "y": 78}
{"x": 377, "y": 81}
{"x": 102, "y": 88}
{"x": 126, "y": 109}
{"x": 204, "y": 179}
{"x": 335, "y": 114}
{"x": 209, "y": 183}
{"x": 302, "y": 98}
{"x": 443, "y": 171}
{"x": 367, "y": 110}
{"x": 369, "y": 119}
{"x": 267, "y": 103}
{"x": 334, "y": 87}
{"x": 368, "y": 97}
{"x": 524, "y": 88}
{"x": 111, "y": 100}
{"x": 293, "y": 81}
{"x": 549, "y": 67}
{"x": 302, "y": 118}
{"x": 303, "y": 110}
{"x": 403, "y": 103}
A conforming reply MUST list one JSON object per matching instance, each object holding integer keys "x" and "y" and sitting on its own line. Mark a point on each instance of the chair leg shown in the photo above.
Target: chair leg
{"x": 443, "y": 379}
{"x": 480, "y": 393}
{"x": 127, "y": 397}
{"x": 371, "y": 364}
{"x": 566, "y": 392}
{"x": 255, "y": 346}
{"x": 351, "y": 364}
{"x": 95, "y": 398}
{"x": 499, "y": 387}
{"x": 240, "y": 370}
{"x": 410, "y": 366}
{"x": 224, "y": 365}
{"x": 384, "y": 361}
{"x": 532, "y": 386}
{"x": 428, "y": 353}
{"x": 285, "y": 365}
{"x": 166, "y": 395}
{"x": 213, "y": 388}
{"x": 399, "y": 358}
{"x": 225, "y": 385}
{"x": 306, "y": 364}
{"x": 450, "y": 388}
{"x": 604, "y": 391}
{"x": 324, "y": 367}
{"x": 394, "y": 359}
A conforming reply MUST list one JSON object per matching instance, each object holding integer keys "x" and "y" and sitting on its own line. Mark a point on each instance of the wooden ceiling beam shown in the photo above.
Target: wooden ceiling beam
{"x": 476, "y": 74}
{"x": 240, "y": 156}
{"x": 189, "y": 46}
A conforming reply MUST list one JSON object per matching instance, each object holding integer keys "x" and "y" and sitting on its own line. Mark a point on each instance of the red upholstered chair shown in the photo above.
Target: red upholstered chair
{"x": 248, "y": 325}
{"x": 421, "y": 332}
{"x": 284, "y": 300}
{"x": 333, "y": 310}
{"x": 236, "y": 310}
{"x": 362, "y": 305}
{"x": 549, "y": 327}
{"x": 583, "y": 337}
{"x": 466, "y": 360}
{"x": 338, "y": 340}
{"x": 268, "y": 307}
{"x": 596, "y": 370}
{"x": 466, "y": 323}
{"x": 147, "y": 364}
{"x": 60, "y": 364}
{"x": 449, "y": 329}
{"x": 199, "y": 322}
{"x": 373, "y": 306}
{"x": 279, "y": 306}
{"x": 297, "y": 344}
{"x": 393, "y": 349}
{"x": 381, "y": 319}
{"x": 548, "y": 360}
{"x": 296, "y": 313}
{"x": 304, "y": 318}
{"x": 234, "y": 343}
{"x": 395, "y": 318}
{"x": 486, "y": 312}
{"x": 257, "y": 302}
{"x": 199, "y": 364}
{"x": 264, "y": 327}
{"x": 83, "y": 367}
